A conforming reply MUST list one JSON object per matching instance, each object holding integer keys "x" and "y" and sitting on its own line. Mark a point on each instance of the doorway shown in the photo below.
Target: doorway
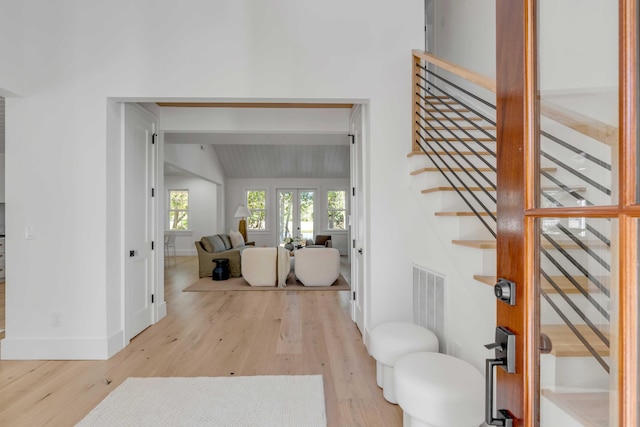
{"x": 296, "y": 214}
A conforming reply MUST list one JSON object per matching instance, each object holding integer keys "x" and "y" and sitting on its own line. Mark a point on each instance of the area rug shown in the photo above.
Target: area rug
{"x": 207, "y": 284}
{"x": 260, "y": 401}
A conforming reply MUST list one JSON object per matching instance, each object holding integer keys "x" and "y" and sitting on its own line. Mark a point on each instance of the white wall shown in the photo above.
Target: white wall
{"x": 465, "y": 33}
{"x": 200, "y": 160}
{"x": 203, "y": 210}
{"x": 78, "y": 54}
{"x": 235, "y": 195}
{"x": 11, "y": 44}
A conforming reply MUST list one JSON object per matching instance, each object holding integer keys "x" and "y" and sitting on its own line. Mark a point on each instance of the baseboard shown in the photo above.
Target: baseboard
{"x": 55, "y": 349}
{"x": 162, "y": 311}
{"x": 366, "y": 338}
{"x": 115, "y": 343}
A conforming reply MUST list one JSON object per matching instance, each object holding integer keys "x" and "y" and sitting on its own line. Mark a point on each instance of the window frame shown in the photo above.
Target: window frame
{"x": 170, "y": 210}
{"x": 328, "y": 210}
{"x": 265, "y": 210}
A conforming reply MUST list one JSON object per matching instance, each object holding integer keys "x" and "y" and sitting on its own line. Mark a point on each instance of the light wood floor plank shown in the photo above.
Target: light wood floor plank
{"x": 213, "y": 334}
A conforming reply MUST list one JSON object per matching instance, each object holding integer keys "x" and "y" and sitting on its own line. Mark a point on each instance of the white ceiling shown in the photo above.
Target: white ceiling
{"x": 274, "y": 155}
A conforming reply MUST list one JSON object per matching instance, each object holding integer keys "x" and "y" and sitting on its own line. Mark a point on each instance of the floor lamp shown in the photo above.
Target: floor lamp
{"x": 242, "y": 213}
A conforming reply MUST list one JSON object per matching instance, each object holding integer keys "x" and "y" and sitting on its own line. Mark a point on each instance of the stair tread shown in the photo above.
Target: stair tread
{"x": 448, "y": 188}
{"x": 463, "y": 139}
{"x": 563, "y": 283}
{"x": 591, "y": 409}
{"x": 442, "y": 153}
{"x": 436, "y": 189}
{"x": 491, "y": 244}
{"x": 462, "y": 213}
{"x": 456, "y": 169}
{"x": 484, "y": 127}
{"x": 566, "y": 344}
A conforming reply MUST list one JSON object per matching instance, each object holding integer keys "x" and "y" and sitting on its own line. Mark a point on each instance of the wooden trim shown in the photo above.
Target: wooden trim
{"x": 587, "y": 212}
{"x": 482, "y": 81}
{"x": 515, "y": 116}
{"x": 254, "y": 105}
{"x": 585, "y": 125}
{"x": 628, "y": 250}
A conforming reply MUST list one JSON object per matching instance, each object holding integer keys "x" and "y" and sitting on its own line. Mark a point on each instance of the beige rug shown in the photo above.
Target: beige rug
{"x": 258, "y": 401}
{"x": 207, "y": 284}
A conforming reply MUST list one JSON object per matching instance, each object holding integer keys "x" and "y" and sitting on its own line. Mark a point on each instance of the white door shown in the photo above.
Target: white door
{"x": 139, "y": 218}
{"x": 357, "y": 222}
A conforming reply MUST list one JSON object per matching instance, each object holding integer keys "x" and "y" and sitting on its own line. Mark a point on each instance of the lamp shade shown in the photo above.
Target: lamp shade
{"x": 242, "y": 212}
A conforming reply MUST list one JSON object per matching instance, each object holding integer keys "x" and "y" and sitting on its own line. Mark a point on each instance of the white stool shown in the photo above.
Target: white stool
{"x": 391, "y": 341}
{"x": 438, "y": 390}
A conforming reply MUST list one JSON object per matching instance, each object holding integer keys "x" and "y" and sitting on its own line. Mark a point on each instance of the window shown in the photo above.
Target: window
{"x": 336, "y": 209}
{"x": 257, "y": 204}
{"x": 178, "y": 209}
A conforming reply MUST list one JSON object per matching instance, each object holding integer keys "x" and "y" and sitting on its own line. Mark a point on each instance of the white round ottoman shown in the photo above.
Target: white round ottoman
{"x": 389, "y": 342}
{"x": 438, "y": 390}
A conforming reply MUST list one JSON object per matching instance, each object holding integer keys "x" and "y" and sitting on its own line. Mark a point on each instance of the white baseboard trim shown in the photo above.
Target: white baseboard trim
{"x": 54, "y": 349}
{"x": 115, "y": 343}
{"x": 162, "y": 311}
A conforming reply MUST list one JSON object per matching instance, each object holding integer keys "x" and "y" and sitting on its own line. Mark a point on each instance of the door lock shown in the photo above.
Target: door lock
{"x": 505, "y": 356}
{"x": 505, "y": 291}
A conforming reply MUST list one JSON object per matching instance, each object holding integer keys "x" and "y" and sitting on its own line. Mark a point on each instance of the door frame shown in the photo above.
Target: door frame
{"x": 295, "y": 220}
{"x": 154, "y": 219}
{"x": 357, "y": 218}
{"x": 517, "y": 162}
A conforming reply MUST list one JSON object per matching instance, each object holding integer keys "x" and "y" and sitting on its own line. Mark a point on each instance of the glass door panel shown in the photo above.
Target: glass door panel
{"x": 578, "y": 93}
{"x": 296, "y": 215}
{"x": 578, "y": 290}
{"x": 285, "y": 214}
{"x": 307, "y": 214}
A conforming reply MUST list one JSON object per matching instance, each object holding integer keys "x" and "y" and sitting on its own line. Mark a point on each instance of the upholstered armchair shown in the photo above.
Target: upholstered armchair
{"x": 266, "y": 266}
{"x": 322, "y": 241}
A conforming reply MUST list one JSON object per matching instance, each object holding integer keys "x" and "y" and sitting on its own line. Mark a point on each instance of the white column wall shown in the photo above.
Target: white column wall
{"x": 59, "y": 166}
{"x": 203, "y": 210}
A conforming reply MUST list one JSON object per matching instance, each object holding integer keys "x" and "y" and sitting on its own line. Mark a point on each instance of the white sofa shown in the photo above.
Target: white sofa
{"x": 317, "y": 266}
{"x": 265, "y": 266}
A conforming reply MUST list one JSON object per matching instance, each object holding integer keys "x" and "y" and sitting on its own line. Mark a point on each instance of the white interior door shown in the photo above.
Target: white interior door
{"x": 357, "y": 222}
{"x": 139, "y": 218}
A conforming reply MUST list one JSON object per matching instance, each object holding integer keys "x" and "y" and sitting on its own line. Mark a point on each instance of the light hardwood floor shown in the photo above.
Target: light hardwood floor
{"x": 213, "y": 334}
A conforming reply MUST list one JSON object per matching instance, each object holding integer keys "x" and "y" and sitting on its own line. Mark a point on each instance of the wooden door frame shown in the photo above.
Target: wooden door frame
{"x": 518, "y": 158}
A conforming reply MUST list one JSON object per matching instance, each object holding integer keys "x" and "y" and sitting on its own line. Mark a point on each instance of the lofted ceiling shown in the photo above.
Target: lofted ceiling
{"x": 282, "y": 151}
{"x": 275, "y": 155}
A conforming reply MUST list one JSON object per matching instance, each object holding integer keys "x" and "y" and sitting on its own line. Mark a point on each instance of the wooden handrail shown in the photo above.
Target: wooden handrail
{"x": 585, "y": 125}
{"x": 482, "y": 81}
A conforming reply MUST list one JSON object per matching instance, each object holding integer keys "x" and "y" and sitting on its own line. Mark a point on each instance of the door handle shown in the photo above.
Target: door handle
{"x": 360, "y": 251}
{"x": 503, "y": 417}
{"x": 505, "y": 356}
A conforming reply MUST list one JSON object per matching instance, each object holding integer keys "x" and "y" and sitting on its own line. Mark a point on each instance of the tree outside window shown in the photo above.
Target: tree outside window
{"x": 178, "y": 209}
{"x": 257, "y": 204}
{"x": 336, "y": 209}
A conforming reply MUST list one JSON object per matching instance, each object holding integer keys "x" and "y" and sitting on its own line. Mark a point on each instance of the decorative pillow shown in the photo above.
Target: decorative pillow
{"x": 236, "y": 239}
{"x": 206, "y": 243}
{"x": 218, "y": 244}
{"x": 226, "y": 240}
